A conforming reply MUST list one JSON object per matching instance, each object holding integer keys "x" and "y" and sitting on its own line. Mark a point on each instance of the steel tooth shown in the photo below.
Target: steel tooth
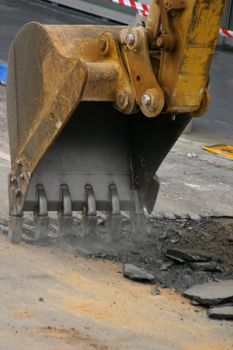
{"x": 114, "y": 217}
{"x": 65, "y": 219}
{"x": 41, "y": 213}
{"x": 138, "y": 224}
{"x": 90, "y": 199}
{"x": 15, "y": 228}
{"x": 90, "y": 217}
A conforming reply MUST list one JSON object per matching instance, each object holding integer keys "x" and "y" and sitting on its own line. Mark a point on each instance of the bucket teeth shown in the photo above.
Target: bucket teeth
{"x": 65, "y": 219}
{"x": 89, "y": 213}
{"x": 89, "y": 222}
{"x": 137, "y": 218}
{"x": 41, "y": 213}
{"x": 114, "y": 217}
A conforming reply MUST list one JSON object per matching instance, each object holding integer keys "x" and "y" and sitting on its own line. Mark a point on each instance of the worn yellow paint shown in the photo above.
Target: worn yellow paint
{"x": 184, "y": 72}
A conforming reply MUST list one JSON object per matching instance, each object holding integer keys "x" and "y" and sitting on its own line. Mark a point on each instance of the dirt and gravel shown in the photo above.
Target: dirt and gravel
{"x": 52, "y": 299}
{"x": 211, "y": 238}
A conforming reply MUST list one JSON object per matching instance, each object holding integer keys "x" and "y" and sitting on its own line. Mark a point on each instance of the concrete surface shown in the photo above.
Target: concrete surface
{"x": 52, "y": 300}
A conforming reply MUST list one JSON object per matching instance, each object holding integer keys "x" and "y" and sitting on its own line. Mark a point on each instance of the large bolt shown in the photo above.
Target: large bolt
{"x": 122, "y": 100}
{"x": 103, "y": 45}
{"x": 130, "y": 39}
{"x": 152, "y": 102}
{"x": 161, "y": 42}
{"x": 146, "y": 100}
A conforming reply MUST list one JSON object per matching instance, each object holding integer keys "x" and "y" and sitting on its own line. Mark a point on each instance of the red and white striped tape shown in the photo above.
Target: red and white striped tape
{"x": 143, "y": 9}
{"x": 140, "y": 8}
{"x": 226, "y": 33}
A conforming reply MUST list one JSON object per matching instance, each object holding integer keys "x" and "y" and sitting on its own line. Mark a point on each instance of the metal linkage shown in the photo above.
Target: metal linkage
{"x": 89, "y": 213}
{"x": 65, "y": 219}
{"x": 41, "y": 213}
{"x": 114, "y": 214}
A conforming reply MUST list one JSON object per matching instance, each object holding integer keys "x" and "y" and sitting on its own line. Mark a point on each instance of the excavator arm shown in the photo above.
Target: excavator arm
{"x": 94, "y": 110}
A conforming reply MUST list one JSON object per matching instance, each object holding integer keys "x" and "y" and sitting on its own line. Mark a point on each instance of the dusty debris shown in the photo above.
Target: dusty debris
{"x": 155, "y": 291}
{"x": 211, "y": 293}
{"x": 137, "y": 274}
{"x": 183, "y": 255}
{"x": 149, "y": 252}
{"x": 191, "y": 155}
{"x": 223, "y": 312}
{"x": 195, "y": 216}
{"x": 165, "y": 266}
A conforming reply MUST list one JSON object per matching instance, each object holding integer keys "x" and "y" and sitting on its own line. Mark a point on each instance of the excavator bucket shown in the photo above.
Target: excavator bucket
{"x": 89, "y": 123}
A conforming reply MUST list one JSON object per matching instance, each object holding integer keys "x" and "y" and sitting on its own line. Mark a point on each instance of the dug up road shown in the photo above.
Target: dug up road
{"x": 52, "y": 300}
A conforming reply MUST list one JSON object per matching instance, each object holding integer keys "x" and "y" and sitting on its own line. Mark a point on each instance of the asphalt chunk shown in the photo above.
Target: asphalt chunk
{"x": 206, "y": 266}
{"x": 211, "y": 293}
{"x": 186, "y": 255}
{"x": 224, "y": 312}
{"x": 137, "y": 274}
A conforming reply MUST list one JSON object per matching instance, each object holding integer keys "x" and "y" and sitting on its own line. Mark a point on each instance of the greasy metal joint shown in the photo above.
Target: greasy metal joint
{"x": 148, "y": 93}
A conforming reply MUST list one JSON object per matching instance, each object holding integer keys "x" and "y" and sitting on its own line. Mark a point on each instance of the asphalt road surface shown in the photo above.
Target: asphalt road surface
{"x": 15, "y": 13}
